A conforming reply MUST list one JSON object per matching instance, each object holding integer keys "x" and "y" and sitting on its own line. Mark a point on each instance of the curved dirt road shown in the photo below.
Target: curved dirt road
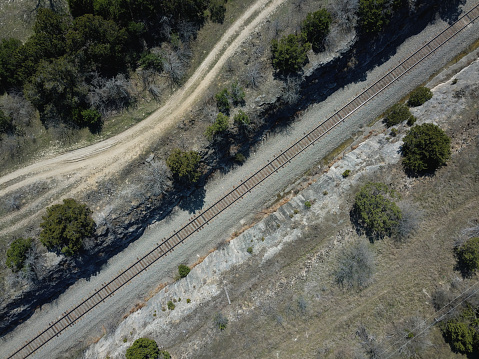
{"x": 83, "y": 166}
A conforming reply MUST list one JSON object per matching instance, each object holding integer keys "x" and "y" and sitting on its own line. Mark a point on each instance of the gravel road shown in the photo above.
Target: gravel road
{"x": 198, "y": 245}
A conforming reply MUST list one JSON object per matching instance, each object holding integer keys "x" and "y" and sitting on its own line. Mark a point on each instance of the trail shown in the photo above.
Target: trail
{"x": 84, "y": 166}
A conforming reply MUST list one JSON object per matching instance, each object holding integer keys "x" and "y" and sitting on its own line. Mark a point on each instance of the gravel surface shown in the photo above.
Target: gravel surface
{"x": 110, "y": 312}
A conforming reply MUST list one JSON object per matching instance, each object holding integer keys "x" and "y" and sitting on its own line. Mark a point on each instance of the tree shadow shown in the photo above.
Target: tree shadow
{"x": 193, "y": 201}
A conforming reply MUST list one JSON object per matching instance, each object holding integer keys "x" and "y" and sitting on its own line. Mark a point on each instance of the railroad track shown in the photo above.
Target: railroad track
{"x": 70, "y": 317}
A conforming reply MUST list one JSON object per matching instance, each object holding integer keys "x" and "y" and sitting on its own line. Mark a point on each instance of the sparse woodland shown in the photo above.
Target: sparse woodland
{"x": 80, "y": 69}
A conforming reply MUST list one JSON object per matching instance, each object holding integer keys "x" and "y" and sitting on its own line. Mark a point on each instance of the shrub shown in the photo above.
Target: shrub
{"x": 219, "y": 126}
{"x": 143, "y": 348}
{"x": 461, "y": 336}
{"x": 250, "y": 250}
{"x": 17, "y": 253}
{"x": 346, "y": 173}
{"x": 222, "y": 101}
{"x": 221, "y": 321}
{"x": 183, "y": 270}
{"x": 355, "y": 266}
{"x": 307, "y": 204}
{"x": 65, "y": 226}
{"x": 316, "y": 28}
{"x": 240, "y": 158}
{"x": 426, "y": 147}
{"x": 397, "y": 114}
{"x": 394, "y": 132}
{"x": 170, "y": 305}
{"x": 374, "y": 212}
{"x": 151, "y": 61}
{"x": 188, "y": 300}
{"x": 373, "y": 15}
{"x": 419, "y": 96}
{"x": 184, "y": 165}
{"x": 468, "y": 256}
{"x": 241, "y": 119}
{"x": 237, "y": 94}
{"x": 289, "y": 53}
{"x": 411, "y": 121}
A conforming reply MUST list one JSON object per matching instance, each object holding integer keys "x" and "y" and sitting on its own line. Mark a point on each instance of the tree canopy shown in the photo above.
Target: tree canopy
{"x": 17, "y": 253}
{"x": 289, "y": 53}
{"x": 144, "y": 348}
{"x": 374, "y": 210}
{"x": 426, "y": 148}
{"x": 419, "y": 96}
{"x": 468, "y": 256}
{"x": 184, "y": 165}
{"x": 316, "y": 28}
{"x": 220, "y": 125}
{"x": 65, "y": 226}
{"x": 398, "y": 113}
{"x": 373, "y": 15}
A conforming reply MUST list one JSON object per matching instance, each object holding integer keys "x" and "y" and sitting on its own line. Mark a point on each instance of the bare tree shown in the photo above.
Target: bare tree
{"x": 174, "y": 66}
{"x": 409, "y": 224}
{"x": 19, "y": 109}
{"x": 253, "y": 76}
{"x": 411, "y": 337}
{"x": 290, "y": 91}
{"x": 345, "y": 12}
{"x": 187, "y": 31}
{"x": 13, "y": 202}
{"x": 355, "y": 266}
{"x": 371, "y": 346}
{"x": 109, "y": 95}
{"x": 157, "y": 177}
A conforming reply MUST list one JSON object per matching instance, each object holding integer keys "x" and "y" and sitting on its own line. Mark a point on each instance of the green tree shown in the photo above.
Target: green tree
{"x": 17, "y": 253}
{"x": 241, "y": 119}
{"x": 426, "y": 148}
{"x": 184, "y": 165}
{"x": 57, "y": 90}
{"x": 9, "y": 63}
{"x": 374, "y": 210}
{"x": 152, "y": 61}
{"x": 183, "y": 270}
{"x": 143, "y": 348}
{"x": 237, "y": 94}
{"x": 91, "y": 119}
{"x": 6, "y": 124}
{"x": 222, "y": 101}
{"x": 218, "y": 127}
{"x": 468, "y": 256}
{"x": 460, "y": 336}
{"x": 289, "y": 53}
{"x": 65, "y": 226}
{"x": 98, "y": 44}
{"x": 316, "y": 28}
{"x": 398, "y": 113}
{"x": 218, "y": 10}
{"x": 419, "y": 96}
{"x": 373, "y": 15}
{"x": 80, "y": 7}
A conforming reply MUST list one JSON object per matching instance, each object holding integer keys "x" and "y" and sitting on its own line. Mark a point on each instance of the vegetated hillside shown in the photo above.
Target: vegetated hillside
{"x": 304, "y": 283}
{"x": 124, "y": 206}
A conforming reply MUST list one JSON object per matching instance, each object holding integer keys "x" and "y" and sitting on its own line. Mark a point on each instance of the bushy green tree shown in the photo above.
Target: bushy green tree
{"x": 426, "y": 147}
{"x": 419, "y": 96}
{"x": 143, "y": 348}
{"x": 6, "y": 124}
{"x": 289, "y": 53}
{"x": 237, "y": 94}
{"x": 17, "y": 253}
{"x": 461, "y": 336}
{"x": 398, "y": 113}
{"x": 468, "y": 255}
{"x": 222, "y": 101}
{"x": 98, "y": 44}
{"x": 57, "y": 90}
{"x": 218, "y": 10}
{"x": 152, "y": 61}
{"x": 374, "y": 210}
{"x": 184, "y": 165}
{"x": 65, "y": 226}
{"x": 316, "y": 28}
{"x": 183, "y": 270}
{"x": 9, "y": 63}
{"x": 373, "y": 15}
{"x": 241, "y": 119}
{"x": 218, "y": 127}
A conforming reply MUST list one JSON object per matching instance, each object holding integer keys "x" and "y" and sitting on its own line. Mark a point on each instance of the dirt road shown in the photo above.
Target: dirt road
{"x": 79, "y": 169}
